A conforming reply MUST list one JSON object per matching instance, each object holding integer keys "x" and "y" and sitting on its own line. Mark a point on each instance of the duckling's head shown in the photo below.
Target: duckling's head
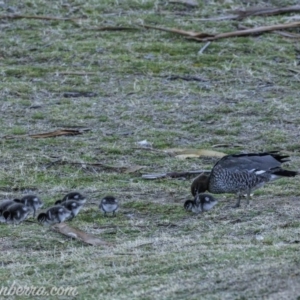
{"x": 63, "y": 214}
{"x": 206, "y": 201}
{"x": 32, "y": 201}
{"x": 200, "y": 184}
{"x": 188, "y": 205}
{"x": 109, "y": 200}
{"x": 74, "y": 196}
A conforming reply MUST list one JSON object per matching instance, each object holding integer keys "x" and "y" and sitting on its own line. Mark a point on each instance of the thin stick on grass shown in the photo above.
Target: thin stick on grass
{"x": 205, "y": 37}
{"x": 240, "y": 14}
{"x": 203, "y": 48}
{"x": 48, "y": 18}
{"x": 174, "y": 174}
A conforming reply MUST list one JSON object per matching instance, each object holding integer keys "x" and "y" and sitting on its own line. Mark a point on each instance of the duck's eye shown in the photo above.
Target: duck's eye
{"x": 104, "y": 200}
{"x": 207, "y": 199}
{"x": 76, "y": 196}
{"x": 35, "y": 199}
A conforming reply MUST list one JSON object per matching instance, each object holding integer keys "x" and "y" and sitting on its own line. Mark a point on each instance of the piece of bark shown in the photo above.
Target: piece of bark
{"x": 78, "y": 234}
{"x": 56, "y": 133}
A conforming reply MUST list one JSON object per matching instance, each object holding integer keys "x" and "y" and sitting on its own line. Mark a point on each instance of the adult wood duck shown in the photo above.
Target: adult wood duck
{"x": 242, "y": 173}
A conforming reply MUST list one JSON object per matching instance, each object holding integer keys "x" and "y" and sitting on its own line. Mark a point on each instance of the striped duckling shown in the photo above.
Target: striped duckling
{"x": 242, "y": 173}
{"x": 3, "y": 206}
{"x": 16, "y": 213}
{"x": 73, "y": 206}
{"x": 31, "y": 201}
{"x": 55, "y": 214}
{"x": 202, "y": 202}
{"x": 109, "y": 204}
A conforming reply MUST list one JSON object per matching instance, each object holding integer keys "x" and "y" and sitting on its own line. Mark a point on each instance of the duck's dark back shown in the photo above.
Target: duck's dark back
{"x": 250, "y": 161}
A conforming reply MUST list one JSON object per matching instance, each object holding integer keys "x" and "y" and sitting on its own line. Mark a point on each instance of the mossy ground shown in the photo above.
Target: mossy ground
{"x": 248, "y": 98}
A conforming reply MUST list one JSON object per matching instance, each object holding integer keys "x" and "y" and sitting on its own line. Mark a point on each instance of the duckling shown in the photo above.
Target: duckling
{"x": 55, "y": 214}
{"x": 109, "y": 204}
{"x": 31, "y": 201}
{"x": 73, "y": 206}
{"x": 16, "y": 213}
{"x": 3, "y": 206}
{"x": 201, "y": 203}
{"x": 74, "y": 196}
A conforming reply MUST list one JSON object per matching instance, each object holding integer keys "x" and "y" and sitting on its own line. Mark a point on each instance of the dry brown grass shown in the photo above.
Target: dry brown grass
{"x": 249, "y": 98}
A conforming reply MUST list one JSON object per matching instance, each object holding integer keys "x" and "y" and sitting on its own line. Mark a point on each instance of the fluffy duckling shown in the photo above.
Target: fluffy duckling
{"x": 74, "y": 196}
{"x": 55, "y": 214}
{"x": 109, "y": 204}
{"x": 201, "y": 203}
{"x": 3, "y": 206}
{"x": 31, "y": 201}
{"x": 16, "y": 213}
{"x": 73, "y": 206}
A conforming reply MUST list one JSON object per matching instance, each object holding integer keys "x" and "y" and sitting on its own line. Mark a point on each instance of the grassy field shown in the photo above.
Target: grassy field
{"x": 117, "y": 84}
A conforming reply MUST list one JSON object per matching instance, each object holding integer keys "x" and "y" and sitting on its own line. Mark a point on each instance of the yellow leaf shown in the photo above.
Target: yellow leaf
{"x": 189, "y": 153}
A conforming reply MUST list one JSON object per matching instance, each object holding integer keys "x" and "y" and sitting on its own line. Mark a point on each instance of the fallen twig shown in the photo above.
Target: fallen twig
{"x": 186, "y": 78}
{"x": 246, "y": 32}
{"x": 205, "y": 37}
{"x": 47, "y": 134}
{"x": 203, "y": 48}
{"x": 115, "y": 28}
{"x": 241, "y": 14}
{"x": 57, "y": 133}
{"x": 190, "y": 3}
{"x": 174, "y": 174}
{"x": 288, "y": 34}
{"x": 282, "y": 33}
{"x": 267, "y": 11}
{"x": 17, "y": 16}
{"x": 181, "y": 32}
{"x": 125, "y": 169}
{"x": 76, "y": 73}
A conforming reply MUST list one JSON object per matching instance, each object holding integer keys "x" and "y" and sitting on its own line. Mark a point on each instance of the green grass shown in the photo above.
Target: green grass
{"x": 247, "y": 101}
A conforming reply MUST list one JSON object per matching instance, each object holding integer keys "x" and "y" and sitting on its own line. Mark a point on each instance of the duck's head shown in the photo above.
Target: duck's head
{"x": 200, "y": 184}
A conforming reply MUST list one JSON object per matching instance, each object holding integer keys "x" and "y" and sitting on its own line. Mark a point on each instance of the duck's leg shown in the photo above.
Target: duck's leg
{"x": 248, "y": 197}
{"x": 237, "y": 204}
